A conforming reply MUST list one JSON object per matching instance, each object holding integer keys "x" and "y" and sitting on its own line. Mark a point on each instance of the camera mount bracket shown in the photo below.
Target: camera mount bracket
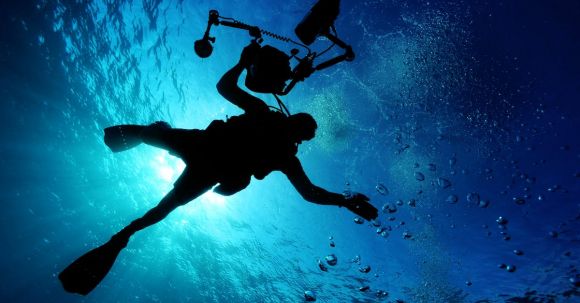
{"x": 318, "y": 22}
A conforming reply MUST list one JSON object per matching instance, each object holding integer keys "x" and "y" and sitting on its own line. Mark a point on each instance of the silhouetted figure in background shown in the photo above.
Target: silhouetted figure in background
{"x": 226, "y": 154}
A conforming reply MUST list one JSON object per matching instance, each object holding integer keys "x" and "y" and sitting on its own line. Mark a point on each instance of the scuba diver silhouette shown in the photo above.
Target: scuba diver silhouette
{"x": 226, "y": 154}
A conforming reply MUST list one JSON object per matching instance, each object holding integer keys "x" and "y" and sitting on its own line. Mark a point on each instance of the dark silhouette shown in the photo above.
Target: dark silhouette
{"x": 226, "y": 154}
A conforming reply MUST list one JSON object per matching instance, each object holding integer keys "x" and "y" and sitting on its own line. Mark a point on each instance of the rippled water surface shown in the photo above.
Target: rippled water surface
{"x": 452, "y": 115}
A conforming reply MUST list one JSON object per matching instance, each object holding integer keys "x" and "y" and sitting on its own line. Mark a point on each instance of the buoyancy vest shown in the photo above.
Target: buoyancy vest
{"x": 249, "y": 144}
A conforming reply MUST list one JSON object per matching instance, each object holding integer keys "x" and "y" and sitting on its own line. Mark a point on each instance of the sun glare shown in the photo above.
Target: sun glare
{"x": 169, "y": 168}
{"x": 212, "y": 198}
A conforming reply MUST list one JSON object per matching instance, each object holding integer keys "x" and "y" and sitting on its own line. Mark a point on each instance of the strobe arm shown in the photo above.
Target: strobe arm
{"x": 304, "y": 69}
{"x": 213, "y": 20}
{"x": 347, "y": 56}
{"x": 203, "y": 47}
{"x": 253, "y": 30}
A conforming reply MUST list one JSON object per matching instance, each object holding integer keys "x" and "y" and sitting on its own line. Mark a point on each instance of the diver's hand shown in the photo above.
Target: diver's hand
{"x": 249, "y": 53}
{"x": 359, "y": 204}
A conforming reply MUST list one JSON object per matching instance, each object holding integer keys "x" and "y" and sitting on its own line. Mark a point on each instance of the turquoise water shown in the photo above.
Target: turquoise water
{"x": 484, "y": 95}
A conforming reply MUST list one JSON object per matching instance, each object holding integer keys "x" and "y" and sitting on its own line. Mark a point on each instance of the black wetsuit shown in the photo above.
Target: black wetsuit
{"x": 228, "y": 152}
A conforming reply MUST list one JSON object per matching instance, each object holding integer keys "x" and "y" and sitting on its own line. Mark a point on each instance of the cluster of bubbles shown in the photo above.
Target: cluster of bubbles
{"x": 417, "y": 77}
{"x": 387, "y": 223}
{"x": 331, "y": 260}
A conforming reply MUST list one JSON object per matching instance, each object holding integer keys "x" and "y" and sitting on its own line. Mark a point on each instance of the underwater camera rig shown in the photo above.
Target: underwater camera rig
{"x": 271, "y": 66}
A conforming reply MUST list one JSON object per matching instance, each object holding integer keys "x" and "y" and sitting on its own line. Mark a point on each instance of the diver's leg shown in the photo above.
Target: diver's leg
{"x": 174, "y": 140}
{"x": 180, "y": 195}
{"x": 86, "y": 272}
{"x": 170, "y": 202}
{"x": 159, "y": 134}
{"x": 123, "y": 137}
{"x": 126, "y": 136}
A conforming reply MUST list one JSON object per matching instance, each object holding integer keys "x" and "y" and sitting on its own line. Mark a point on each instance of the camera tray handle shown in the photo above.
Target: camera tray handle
{"x": 304, "y": 69}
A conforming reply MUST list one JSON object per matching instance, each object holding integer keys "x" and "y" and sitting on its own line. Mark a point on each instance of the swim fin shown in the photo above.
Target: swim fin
{"x": 123, "y": 137}
{"x": 84, "y": 274}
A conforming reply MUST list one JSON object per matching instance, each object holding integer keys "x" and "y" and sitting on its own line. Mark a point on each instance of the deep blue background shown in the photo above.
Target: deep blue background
{"x": 494, "y": 85}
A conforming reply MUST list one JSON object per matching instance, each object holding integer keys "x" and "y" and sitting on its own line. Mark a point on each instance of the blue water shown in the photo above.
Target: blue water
{"x": 488, "y": 92}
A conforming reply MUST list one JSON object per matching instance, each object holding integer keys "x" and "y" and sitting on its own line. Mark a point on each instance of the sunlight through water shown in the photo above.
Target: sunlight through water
{"x": 452, "y": 115}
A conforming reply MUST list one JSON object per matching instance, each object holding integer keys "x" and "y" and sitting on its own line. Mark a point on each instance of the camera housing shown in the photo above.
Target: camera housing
{"x": 269, "y": 71}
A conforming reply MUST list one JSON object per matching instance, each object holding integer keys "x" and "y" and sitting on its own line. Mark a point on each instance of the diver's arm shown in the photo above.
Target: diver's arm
{"x": 309, "y": 191}
{"x": 229, "y": 89}
{"x": 356, "y": 203}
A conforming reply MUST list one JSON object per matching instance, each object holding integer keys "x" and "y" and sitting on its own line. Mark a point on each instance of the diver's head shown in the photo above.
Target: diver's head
{"x": 302, "y": 127}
